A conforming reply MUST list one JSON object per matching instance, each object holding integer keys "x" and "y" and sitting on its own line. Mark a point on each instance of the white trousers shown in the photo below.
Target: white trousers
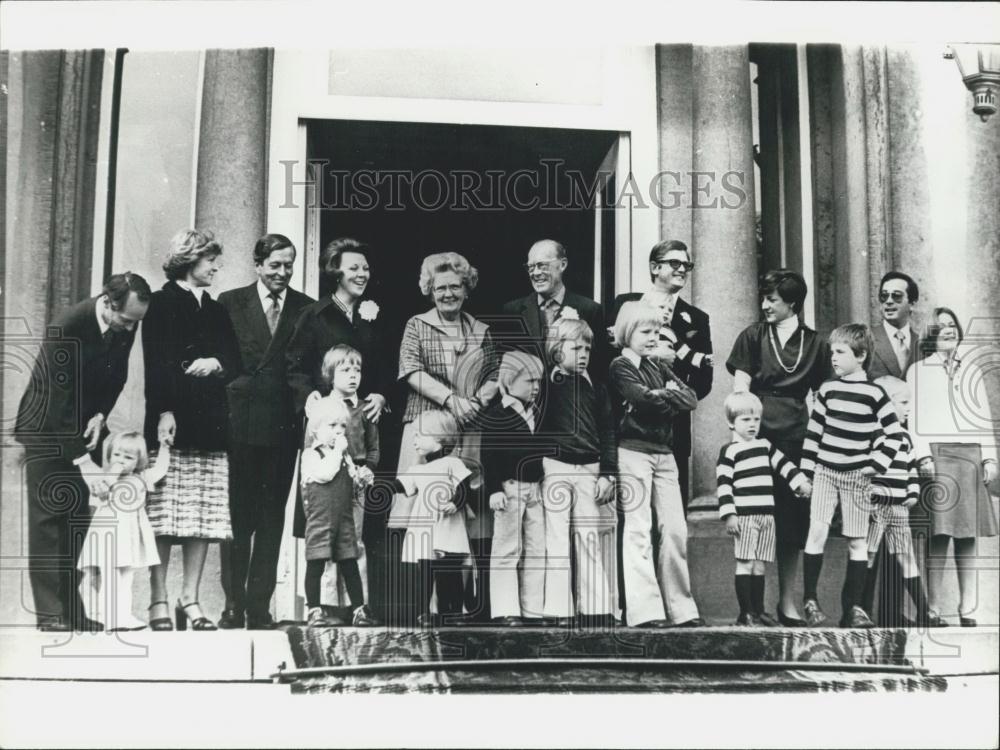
{"x": 650, "y": 493}
{"x": 517, "y": 560}
{"x": 569, "y": 498}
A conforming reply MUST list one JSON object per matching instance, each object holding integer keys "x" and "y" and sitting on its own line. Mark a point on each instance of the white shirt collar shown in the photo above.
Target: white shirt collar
{"x": 557, "y": 369}
{"x": 632, "y": 356}
{"x": 197, "y": 291}
{"x": 265, "y": 296}
{"x": 352, "y": 400}
{"x": 558, "y": 297}
{"x": 100, "y": 318}
{"x": 509, "y": 402}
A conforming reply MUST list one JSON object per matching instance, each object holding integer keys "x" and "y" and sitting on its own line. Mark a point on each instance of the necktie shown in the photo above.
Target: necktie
{"x": 107, "y": 337}
{"x": 549, "y": 310}
{"x": 902, "y": 351}
{"x": 273, "y": 312}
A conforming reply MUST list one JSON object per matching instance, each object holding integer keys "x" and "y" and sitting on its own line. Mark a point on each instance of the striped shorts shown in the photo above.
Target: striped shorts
{"x": 756, "y": 539}
{"x": 893, "y": 522}
{"x": 852, "y": 490}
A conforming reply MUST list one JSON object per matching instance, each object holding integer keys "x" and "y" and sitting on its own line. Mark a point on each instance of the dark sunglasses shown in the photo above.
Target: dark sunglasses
{"x": 897, "y": 296}
{"x": 677, "y": 265}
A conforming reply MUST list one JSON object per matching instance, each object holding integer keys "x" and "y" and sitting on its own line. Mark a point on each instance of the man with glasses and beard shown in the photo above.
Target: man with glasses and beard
{"x": 686, "y": 338}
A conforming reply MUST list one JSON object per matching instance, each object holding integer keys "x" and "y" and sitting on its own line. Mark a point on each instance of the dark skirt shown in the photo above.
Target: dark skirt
{"x": 956, "y": 500}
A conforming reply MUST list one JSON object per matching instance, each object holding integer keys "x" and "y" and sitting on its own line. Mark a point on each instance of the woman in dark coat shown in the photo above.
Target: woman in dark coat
{"x": 190, "y": 353}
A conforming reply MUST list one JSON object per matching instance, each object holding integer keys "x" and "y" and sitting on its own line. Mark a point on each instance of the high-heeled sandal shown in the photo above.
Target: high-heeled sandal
{"x": 197, "y": 623}
{"x": 160, "y": 623}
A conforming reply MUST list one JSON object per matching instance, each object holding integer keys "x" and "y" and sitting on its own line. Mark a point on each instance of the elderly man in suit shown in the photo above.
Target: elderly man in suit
{"x": 79, "y": 373}
{"x": 262, "y": 433}
{"x": 527, "y": 319}
{"x": 895, "y": 350}
{"x": 687, "y": 344}
{"x": 895, "y": 339}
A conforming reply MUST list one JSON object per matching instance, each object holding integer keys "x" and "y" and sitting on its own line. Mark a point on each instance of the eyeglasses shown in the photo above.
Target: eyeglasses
{"x": 543, "y": 265}
{"x": 453, "y": 288}
{"x": 896, "y": 295}
{"x": 677, "y": 265}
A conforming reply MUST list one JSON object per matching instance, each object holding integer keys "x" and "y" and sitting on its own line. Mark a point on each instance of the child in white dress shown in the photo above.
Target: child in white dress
{"x": 120, "y": 539}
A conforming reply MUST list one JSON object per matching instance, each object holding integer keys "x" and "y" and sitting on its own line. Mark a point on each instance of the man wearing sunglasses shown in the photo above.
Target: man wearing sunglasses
{"x": 895, "y": 339}
{"x": 688, "y": 333}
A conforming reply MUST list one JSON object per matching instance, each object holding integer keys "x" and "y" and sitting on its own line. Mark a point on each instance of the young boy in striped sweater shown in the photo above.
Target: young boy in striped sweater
{"x": 745, "y": 474}
{"x": 853, "y": 434}
{"x": 893, "y": 494}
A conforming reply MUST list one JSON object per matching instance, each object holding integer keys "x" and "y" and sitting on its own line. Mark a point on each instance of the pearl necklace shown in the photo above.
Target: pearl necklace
{"x": 777, "y": 353}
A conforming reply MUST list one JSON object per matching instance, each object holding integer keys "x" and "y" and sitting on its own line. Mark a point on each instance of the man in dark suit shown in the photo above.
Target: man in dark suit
{"x": 526, "y": 320}
{"x": 79, "y": 373}
{"x": 262, "y": 433}
{"x": 895, "y": 339}
{"x": 896, "y": 344}
{"x": 669, "y": 267}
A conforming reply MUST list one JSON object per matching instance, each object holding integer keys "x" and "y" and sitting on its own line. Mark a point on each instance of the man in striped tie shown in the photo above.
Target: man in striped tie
{"x": 745, "y": 475}
{"x": 853, "y": 434}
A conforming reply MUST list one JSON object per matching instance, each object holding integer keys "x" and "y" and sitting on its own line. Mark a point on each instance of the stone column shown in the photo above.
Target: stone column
{"x": 675, "y": 113}
{"x": 232, "y": 157}
{"x": 725, "y": 282}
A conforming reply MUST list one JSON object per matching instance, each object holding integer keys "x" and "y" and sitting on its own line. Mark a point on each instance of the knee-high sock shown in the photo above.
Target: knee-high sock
{"x": 868, "y": 595}
{"x": 743, "y": 593}
{"x": 348, "y": 569}
{"x": 314, "y": 574}
{"x": 811, "y": 566}
{"x": 757, "y": 586}
{"x": 854, "y": 583}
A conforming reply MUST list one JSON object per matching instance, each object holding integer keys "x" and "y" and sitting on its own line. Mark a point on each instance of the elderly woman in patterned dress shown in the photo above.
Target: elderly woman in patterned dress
{"x": 190, "y": 352}
{"x": 448, "y": 360}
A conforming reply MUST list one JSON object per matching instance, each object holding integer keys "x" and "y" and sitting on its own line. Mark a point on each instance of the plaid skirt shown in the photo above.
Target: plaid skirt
{"x": 192, "y": 501}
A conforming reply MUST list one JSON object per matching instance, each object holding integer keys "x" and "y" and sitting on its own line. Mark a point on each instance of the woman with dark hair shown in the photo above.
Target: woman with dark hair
{"x": 780, "y": 360}
{"x": 344, "y": 317}
{"x": 190, "y": 353}
{"x": 955, "y": 446}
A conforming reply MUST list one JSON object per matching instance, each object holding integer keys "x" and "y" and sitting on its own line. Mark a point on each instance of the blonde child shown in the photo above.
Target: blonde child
{"x": 893, "y": 494}
{"x": 745, "y": 480}
{"x": 327, "y": 477}
{"x": 436, "y": 537}
{"x": 578, "y": 488}
{"x": 513, "y": 475}
{"x": 120, "y": 539}
{"x": 341, "y": 370}
{"x": 646, "y": 394}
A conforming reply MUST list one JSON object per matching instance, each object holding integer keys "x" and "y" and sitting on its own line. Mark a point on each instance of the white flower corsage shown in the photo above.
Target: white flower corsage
{"x": 368, "y": 310}
{"x": 569, "y": 313}
{"x": 685, "y": 317}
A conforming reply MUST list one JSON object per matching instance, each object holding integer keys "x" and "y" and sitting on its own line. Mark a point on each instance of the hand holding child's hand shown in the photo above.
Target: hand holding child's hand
{"x": 732, "y": 525}
{"x": 449, "y": 508}
{"x": 605, "y": 490}
{"x": 498, "y": 502}
{"x": 804, "y": 490}
{"x": 708, "y": 361}
{"x": 365, "y": 476}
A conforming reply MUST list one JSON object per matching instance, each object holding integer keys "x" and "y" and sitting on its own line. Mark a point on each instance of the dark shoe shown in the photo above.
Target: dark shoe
{"x": 934, "y": 620}
{"x": 160, "y": 623}
{"x": 259, "y": 622}
{"x": 317, "y": 618}
{"x": 695, "y": 622}
{"x": 232, "y": 619}
{"x": 814, "y": 615}
{"x": 790, "y": 622}
{"x": 363, "y": 618}
{"x": 86, "y": 625}
{"x": 508, "y": 621}
{"x": 54, "y": 624}
{"x": 197, "y": 623}
{"x": 858, "y": 618}
{"x": 747, "y": 620}
{"x": 967, "y": 622}
{"x": 766, "y": 620}
{"x": 653, "y": 624}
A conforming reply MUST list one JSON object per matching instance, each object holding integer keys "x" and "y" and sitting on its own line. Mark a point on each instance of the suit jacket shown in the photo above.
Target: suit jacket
{"x": 176, "y": 331}
{"x": 261, "y": 411}
{"x": 692, "y": 327}
{"x": 322, "y": 326}
{"x": 883, "y": 360}
{"x": 521, "y": 329}
{"x": 76, "y": 375}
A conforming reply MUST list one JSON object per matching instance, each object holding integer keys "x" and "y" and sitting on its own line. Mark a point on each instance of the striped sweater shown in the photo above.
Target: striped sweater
{"x": 900, "y": 482}
{"x": 745, "y": 477}
{"x": 852, "y": 426}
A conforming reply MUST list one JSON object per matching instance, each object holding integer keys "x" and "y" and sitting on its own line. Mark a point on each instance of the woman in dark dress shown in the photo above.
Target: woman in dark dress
{"x": 343, "y": 317}
{"x": 190, "y": 353}
{"x": 780, "y": 360}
